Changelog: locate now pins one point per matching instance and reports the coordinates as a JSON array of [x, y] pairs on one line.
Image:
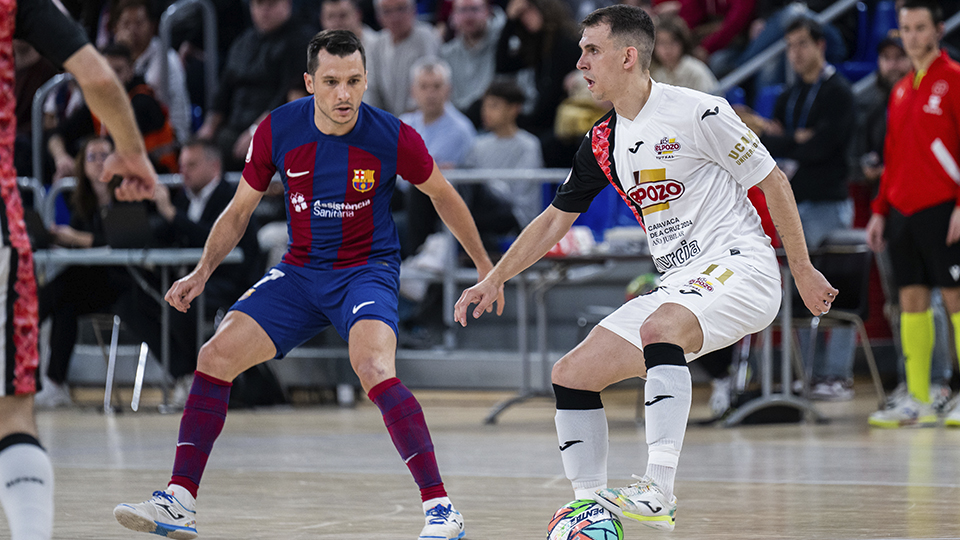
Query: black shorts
[[918, 250]]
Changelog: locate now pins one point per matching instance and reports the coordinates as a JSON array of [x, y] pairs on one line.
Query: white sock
[[183, 495], [667, 395], [427, 505], [584, 442], [26, 489]]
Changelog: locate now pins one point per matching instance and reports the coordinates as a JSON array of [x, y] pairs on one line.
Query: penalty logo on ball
[[584, 520]]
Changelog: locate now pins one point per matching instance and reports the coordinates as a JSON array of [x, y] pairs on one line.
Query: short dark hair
[[336, 42], [631, 25], [117, 50], [936, 12], [124, 5], [809, 24], [209, 147], [506, 90]]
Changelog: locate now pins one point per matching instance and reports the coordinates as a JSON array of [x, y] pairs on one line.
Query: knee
[[653, 331], [563, 372], [214, 361], [371, 370]]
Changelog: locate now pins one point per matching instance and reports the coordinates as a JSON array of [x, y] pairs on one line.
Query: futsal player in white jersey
[[683, 161]]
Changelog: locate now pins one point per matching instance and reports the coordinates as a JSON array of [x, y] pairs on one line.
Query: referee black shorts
[[918, 248]]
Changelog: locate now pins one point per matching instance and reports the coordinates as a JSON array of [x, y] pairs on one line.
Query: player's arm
[[455, 214], [533, 243], [108, 101], [815, 290], [224, 236]]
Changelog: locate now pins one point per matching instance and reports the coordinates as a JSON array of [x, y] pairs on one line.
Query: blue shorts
[[293, 304]]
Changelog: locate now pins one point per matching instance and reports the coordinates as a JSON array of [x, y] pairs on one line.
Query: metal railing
[[177, 11], [753, 65], [36, 137]]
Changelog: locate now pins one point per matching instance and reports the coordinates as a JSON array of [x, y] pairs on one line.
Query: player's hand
[[483, 294], [875, 232], [139, 177], [500, 297], [817, 293], [953, 231], [184, 290]]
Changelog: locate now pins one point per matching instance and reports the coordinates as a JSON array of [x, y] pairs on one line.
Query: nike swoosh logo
[[656, 400], [568, 444], [357, 307], [635, 147], [708, 112], [296, 175]]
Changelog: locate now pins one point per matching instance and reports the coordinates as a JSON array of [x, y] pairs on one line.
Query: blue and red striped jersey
[[337, 188]]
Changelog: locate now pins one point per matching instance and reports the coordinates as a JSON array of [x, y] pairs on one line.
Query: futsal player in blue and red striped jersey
[[339, 160]]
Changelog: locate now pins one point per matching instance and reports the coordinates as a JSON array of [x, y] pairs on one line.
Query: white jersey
[[684, 165]]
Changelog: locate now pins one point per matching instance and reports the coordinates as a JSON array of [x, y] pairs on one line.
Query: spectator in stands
[[892, 65], [78, 290], [150, 115], [673, 62], [32, 70], [472, 54], [773, 17], [447, 133], [506, 146], [263, 64], [539, 46], [812, 129], [403, 41], [135, 25], [715, 23], [346, 15], [915, 213], [187, 215]]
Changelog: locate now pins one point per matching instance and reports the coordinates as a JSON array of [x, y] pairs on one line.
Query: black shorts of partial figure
[[918, 250]]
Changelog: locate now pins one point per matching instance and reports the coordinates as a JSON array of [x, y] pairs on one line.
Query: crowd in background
[[487, 84]]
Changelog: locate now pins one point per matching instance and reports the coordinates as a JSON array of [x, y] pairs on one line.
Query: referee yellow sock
[[916, 335]]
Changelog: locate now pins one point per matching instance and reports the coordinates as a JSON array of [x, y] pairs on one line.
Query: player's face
[[920, 36], [337, 86], [601, 62]]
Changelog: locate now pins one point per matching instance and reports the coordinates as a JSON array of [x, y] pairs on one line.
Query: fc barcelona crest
[[363, 180]]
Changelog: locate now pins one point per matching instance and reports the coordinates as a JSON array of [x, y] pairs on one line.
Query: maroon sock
[[202, 421], [408, 429]]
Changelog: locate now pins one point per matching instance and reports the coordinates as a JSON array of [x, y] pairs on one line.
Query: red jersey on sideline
[[923, 141]]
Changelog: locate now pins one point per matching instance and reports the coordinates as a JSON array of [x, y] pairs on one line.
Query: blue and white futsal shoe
[[443, 522], [164, 515]]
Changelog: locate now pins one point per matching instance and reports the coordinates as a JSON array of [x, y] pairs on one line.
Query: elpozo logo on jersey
[[654, 191], [363, 180], [666, 148]]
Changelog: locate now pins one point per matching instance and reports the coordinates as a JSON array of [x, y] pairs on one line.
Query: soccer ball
[[584, 520]]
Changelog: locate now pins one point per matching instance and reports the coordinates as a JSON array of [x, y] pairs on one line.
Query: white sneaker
[[940, 398], [164, 514], [953, 417], [720, 396], [443, 521], [833, 390], [643, 501], [52, 395], [908, 412]]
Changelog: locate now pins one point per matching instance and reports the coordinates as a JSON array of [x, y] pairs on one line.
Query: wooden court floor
[[325, 472]]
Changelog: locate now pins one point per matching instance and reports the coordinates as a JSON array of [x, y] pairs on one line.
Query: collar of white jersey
[[649, 108]]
